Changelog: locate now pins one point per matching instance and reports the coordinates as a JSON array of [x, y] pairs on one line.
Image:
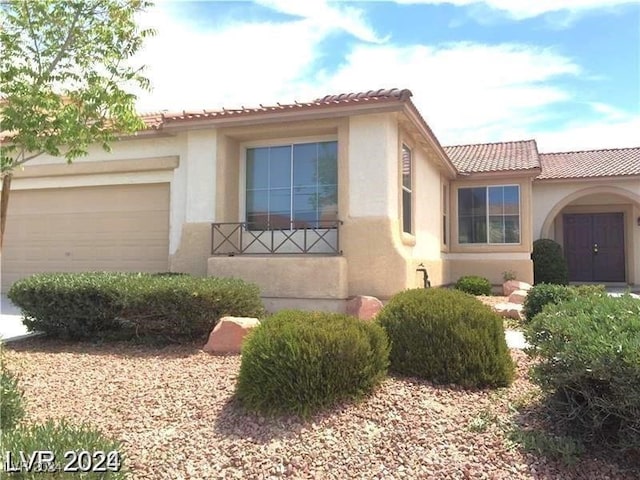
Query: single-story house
[[315, 202]]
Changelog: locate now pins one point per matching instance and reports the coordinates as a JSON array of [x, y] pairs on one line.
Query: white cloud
[[322, 13], [612, 128], [238, 64], [521, 9], [467, 92]]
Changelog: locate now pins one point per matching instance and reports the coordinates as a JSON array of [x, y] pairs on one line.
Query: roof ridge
[[591, 150], [493, 143]]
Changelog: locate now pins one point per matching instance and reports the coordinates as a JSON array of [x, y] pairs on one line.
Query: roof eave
[[303, 113], [413, 114], [588, 179], [529, 172]]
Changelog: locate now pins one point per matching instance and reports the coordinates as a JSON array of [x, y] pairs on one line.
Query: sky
[[564, 72]]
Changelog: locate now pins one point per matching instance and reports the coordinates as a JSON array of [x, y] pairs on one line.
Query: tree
[[66, 78]]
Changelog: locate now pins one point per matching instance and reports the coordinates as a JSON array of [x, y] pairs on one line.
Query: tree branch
[[25, 159], [65, 45], [34, 38]]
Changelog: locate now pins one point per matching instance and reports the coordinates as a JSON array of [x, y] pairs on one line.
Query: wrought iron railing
[[244, 238]]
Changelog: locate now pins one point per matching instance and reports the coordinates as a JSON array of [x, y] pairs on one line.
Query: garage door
[[120, 227]]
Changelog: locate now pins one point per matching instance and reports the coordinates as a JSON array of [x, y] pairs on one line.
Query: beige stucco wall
[[289, 276], [138, 160], [491, 261], [554, 198], [381, 259]]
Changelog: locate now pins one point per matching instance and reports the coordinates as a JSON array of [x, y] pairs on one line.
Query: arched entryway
[[597, 227]]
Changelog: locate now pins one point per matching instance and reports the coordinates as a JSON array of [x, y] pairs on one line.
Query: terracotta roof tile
[[494, 157], [591, 163], [157, 120]]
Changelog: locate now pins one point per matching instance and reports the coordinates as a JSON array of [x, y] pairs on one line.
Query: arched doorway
[[597, 228]]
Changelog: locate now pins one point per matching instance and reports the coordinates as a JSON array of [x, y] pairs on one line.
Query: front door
[[594, 246]]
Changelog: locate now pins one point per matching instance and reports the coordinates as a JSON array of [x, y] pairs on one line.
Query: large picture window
[[292, 186], [489, 214]]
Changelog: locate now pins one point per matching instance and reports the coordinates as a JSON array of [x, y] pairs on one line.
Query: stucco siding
[[373, 174], [553, 199]]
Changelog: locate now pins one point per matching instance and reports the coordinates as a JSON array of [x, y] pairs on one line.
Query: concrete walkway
[[11, 326], [515, 339]]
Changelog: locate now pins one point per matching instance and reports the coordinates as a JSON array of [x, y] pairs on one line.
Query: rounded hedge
[[299, 362], [549, 264], [446, 336], [474, 285], [123, 305], [546, 293], [589, 352]]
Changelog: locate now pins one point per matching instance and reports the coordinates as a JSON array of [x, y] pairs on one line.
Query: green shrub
[[60, 438], [90, 305], [474, 285], [299, 362], [446, 336], [589, 352], [11, 399], [549, 264], [185, 306], [69, 305], [544, 294]]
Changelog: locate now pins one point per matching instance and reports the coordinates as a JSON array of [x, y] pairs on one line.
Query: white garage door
[[110, 228]]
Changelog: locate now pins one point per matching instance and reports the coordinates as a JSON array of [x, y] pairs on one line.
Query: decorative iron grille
[[244, 238]]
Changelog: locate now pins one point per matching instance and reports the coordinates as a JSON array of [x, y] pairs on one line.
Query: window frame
[[276, 142], [445, 210], [408, 190], [487, 215]]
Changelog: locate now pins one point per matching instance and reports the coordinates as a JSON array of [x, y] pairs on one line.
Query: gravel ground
[[172, 409]]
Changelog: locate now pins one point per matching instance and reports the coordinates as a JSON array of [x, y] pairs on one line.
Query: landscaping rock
[[228, 334], [511, 286], [363, 307], [509, 310], [518, 296]]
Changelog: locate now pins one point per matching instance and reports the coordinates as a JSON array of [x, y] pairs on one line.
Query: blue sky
[[566, 73]]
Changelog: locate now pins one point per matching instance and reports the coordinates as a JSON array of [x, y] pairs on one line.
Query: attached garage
[[97, 228]]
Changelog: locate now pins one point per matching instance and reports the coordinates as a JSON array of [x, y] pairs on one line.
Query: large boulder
[[363, 307], [511, 286], [509, 310], [228, 334], [518, 296]]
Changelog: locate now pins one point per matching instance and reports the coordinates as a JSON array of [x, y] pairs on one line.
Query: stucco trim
[[89, 168], [286, 116], [529, 173], [586, 179], [545, 231]]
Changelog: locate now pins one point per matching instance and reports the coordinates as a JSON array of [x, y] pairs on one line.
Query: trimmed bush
[[185, 306], [300, 362], [446, 336], [589, 352], [474, 285], [61, 437], [544, 294], [69, 305], [11, 399], [89, 305], [549, 264]]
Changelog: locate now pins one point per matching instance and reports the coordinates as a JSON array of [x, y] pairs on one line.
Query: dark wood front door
[[594, 247]]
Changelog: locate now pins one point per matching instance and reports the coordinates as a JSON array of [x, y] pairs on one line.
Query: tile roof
[[158, 119], [591, 163], [494, 157]]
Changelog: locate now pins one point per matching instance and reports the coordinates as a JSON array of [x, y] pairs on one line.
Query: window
[[489, 214], [445, 212], [407, 190], [292, 186]]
